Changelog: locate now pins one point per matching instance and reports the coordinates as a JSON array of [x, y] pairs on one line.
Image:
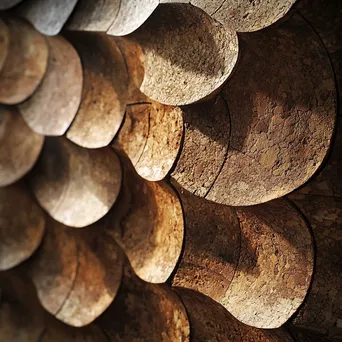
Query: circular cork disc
[[25, 64], [187, 55], [4, 43], [104, 93], [163, 142], [275, 267], [211, 248], [131, 15], [6, 4], [282, 107], [47, 16], [90, 15], [22, 225], [19, 146], [60, 177], [205, 146], [54, 105], [147, 222], [322, 308], [145, 312]]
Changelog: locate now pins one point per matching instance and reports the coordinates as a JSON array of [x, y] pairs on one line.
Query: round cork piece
[[104, 93], [145, 312], [52, 108], [6, 4], [4, 43], [205, 146], [22, 225], [187, 54], [59, 179], [282, 105], [19, 146], [131, 15], [25, 64], [211, 247], [275, 266]]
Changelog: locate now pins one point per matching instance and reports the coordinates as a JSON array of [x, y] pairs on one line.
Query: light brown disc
[[187, 55], [212, 246], [282, 107], [163, 142], [145, 312], [6, 4], [4, 42], [25, 64], [147, 222], [205, 146], [275, 267], [19, 146], [47, 16], [322, 309], [90, 15], [104, 94], [76, 186], [22, 225], [54, 105], [131, 15]]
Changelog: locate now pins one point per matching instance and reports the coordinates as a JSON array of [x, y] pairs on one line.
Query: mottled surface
[[52, 108], [282, 106], [4, 42], [188, 55], [25, 64], [104, 93]]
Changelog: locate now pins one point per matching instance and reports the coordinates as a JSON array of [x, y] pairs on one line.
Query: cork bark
[[321, 311], [52, 108], [22, 225], [282, 105], [187, 55], [25, 64], [59, 179], [4, 43], [47, 16], [104, 94], [19, 146]]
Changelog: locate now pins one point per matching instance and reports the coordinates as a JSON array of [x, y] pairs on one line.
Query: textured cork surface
[[205, 146], [188, 55], [275, 266], [52, 108], [104, 92], [19, 146], [22, 225], [282, 105], [25, 64], [4, 43], [59, 179]]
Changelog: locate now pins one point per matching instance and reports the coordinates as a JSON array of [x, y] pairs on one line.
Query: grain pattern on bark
[[187, 54], [275, 266], [19, 146], [76, 186], [205, 145], [282, 107], [104, 94], [25, 64], [211, 246], [22, 225], [4, 42], [52, 108]]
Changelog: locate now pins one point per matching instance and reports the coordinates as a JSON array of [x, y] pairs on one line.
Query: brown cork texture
[[275, 266], [59, 179], [147, 222], [52, 108], [104, 93], [145, 312], [187, 54], [25, 64], [22, 225], [205, 146], [211, 247], [4, 42], [322, 311], [47, 16], [19, 146], [282, 106]]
